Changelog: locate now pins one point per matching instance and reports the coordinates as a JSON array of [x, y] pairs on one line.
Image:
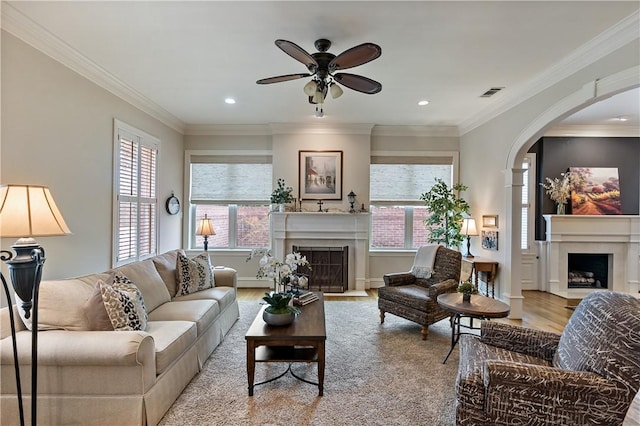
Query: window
[[136, 203], [397, 213], [527, 218], [234, 191]]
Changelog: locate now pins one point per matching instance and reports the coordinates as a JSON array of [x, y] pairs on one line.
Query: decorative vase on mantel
[[560, 208], [281, 208]]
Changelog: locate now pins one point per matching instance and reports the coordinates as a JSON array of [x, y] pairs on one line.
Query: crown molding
[[227, 130], [416, 131], [604, 130], [610, 40], [320, 129], [16, 23]]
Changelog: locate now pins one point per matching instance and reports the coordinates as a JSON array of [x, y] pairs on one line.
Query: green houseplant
[[282, 194], [467, 289], [279, 310], [446, 211]]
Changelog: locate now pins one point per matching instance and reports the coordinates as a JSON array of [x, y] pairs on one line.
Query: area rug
[[376, 374]]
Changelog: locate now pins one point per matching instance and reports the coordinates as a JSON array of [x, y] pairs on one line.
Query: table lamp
[[27, 211], [205, 228], [469, 229]]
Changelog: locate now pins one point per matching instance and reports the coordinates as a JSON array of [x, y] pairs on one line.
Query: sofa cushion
[[172, 339], [202, 312], [603, 336], [95, 311], [224, 295], [146, 277], [193, 274], [166, 265], [124, 304], [61, 303]]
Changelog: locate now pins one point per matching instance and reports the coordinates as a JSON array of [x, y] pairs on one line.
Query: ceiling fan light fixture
[[335, 90], [318, 97], [319, 111], [310, 88]]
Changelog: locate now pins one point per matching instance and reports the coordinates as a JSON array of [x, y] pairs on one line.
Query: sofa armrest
[[399, 278], [447, 286], [225, 277], [5, 321], [538, 343], [550, 395]]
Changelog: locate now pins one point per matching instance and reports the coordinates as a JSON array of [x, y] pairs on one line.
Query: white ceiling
[[182, 59]]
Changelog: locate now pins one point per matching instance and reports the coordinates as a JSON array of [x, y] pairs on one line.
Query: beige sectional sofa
[[116, 377]]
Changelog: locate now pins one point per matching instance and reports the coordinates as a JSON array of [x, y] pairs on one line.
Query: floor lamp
[[27, 211], [205, 228]]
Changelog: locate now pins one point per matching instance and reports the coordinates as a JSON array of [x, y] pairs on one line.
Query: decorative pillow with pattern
[[124, 304], [193, 274]]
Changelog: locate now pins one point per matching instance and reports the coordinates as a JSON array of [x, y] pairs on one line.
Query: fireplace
[[588, 270], [329, 268]]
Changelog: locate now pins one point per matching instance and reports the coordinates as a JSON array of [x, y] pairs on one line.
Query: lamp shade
[[205, 227], [469, 227], [29, 211]]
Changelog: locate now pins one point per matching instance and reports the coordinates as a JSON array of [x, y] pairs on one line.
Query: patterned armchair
[[588, 375], [414, 298]]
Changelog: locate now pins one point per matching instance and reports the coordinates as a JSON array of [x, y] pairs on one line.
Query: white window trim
[[147, 140], [189, 226], [408, 204]]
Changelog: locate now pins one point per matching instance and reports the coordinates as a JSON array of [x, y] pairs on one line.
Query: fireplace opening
[[329, 268], [588, 270]]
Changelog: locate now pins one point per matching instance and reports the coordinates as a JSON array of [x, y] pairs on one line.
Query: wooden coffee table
[[302, 341], [480, 307]]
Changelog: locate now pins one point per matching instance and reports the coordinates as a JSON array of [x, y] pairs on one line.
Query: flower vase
[[466, 297], [560, 208], [281, 208]]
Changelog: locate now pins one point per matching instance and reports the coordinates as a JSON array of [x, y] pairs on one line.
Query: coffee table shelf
[[286, 354]]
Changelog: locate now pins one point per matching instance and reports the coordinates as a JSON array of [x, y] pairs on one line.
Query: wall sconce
[[27, 211], [205, 229], [352, 199], [469, 229]]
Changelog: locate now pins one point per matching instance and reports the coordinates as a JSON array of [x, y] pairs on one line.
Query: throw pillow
[[95, 311], [124, 304], [193, 274]]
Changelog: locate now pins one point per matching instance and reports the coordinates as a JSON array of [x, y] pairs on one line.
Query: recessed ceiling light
[[423, 103], [230, 101]]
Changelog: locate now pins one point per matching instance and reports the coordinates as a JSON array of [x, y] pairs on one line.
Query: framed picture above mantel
[[320, 175]]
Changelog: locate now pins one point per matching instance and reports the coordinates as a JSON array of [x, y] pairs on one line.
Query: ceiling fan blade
[[297, 53], [280, 78], [355, 56], [358, 83]]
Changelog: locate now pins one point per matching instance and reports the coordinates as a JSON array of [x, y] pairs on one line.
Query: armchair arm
[[541, 344], [446, 286], [399, 278], [518, 393]]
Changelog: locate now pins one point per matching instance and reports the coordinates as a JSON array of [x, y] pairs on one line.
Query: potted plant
[[280, 311], [282, 194], [467, 289], [446, 211]]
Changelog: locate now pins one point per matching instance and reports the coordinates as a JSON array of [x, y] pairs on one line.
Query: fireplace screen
[[329, 268]]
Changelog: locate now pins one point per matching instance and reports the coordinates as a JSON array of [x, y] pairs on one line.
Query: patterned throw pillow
[[193, 274], [124, 304]]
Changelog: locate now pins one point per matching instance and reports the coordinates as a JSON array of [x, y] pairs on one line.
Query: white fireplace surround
[[316, 229], [617, 236]]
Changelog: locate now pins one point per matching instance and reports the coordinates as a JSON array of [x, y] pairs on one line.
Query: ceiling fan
[[322, 65]]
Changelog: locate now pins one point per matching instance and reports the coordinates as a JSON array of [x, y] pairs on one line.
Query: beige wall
[[57, 130]]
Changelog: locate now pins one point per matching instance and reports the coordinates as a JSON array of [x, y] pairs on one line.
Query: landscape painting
[[596, 191]]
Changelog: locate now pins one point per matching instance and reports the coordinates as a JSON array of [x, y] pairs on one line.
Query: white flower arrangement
[[559, 189], [275, 269]]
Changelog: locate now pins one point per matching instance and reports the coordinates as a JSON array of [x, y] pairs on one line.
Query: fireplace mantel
[[319, 229], [616, 235]]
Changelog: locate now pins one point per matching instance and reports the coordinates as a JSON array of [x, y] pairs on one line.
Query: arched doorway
[[589, 94]]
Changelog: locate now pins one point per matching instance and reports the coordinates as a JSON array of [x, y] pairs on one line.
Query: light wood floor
[[542, 311]]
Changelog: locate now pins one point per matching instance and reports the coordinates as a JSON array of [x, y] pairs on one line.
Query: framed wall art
[[490, 240], [490, 221], [320, 175]]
